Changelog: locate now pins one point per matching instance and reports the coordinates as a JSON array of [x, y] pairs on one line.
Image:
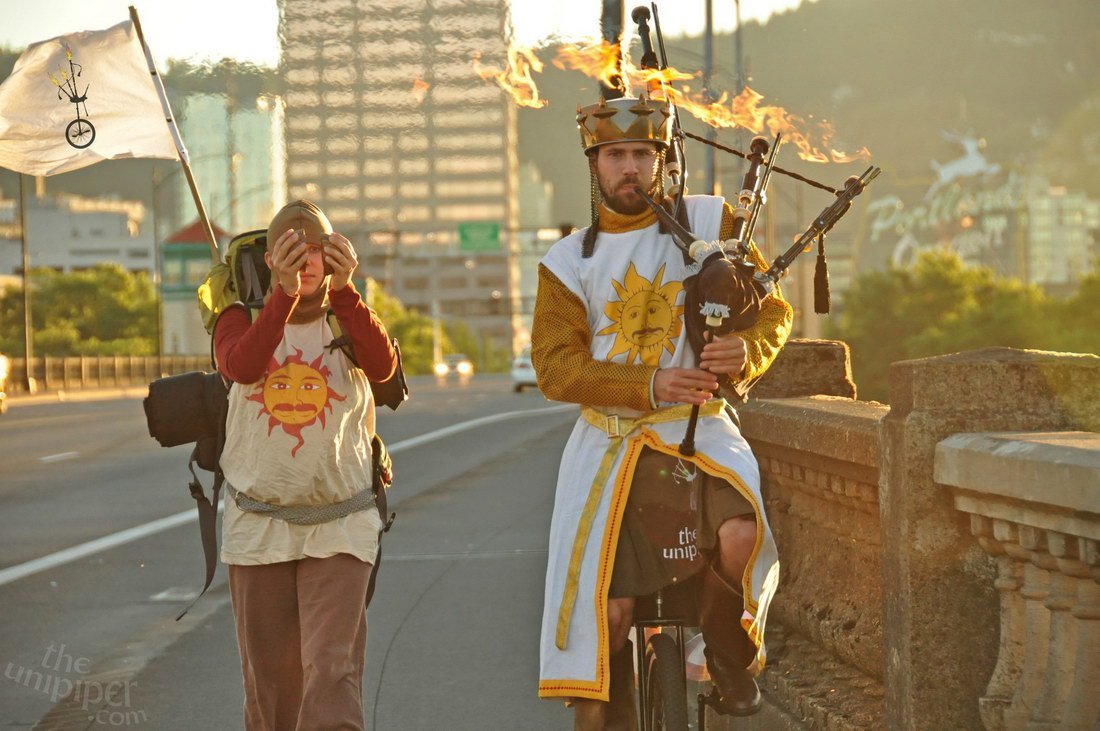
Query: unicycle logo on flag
[[80, 132]]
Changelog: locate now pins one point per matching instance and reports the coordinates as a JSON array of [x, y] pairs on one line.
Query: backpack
[[193, 407]]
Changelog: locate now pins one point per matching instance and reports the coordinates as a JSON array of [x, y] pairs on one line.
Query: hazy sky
[[246, 29]]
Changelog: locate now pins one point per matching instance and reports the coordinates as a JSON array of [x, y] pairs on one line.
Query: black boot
[[729, 651], [621, 715]]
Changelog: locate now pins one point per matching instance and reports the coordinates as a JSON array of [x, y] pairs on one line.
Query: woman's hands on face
[[341, 259], [286, 259]]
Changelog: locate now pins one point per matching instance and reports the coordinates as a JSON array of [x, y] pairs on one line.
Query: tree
[[103, 310], [941, 305], [413, 331], [1077, 316]]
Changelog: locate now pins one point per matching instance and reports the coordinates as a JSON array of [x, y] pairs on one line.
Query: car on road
[[523, 371], [5, 369], [455, 363]]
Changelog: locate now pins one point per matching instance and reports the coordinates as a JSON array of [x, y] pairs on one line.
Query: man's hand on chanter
[[684, 385], [725, 355], [286, 259]]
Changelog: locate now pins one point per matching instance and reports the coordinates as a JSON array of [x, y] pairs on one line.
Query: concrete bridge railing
[[891, 612], [1034, 507], [104, 371]]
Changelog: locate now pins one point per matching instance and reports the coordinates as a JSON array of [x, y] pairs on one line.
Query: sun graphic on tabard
[[295, 395], [645, 319]]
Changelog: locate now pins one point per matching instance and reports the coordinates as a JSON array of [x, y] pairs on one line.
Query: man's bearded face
[[622, 166]]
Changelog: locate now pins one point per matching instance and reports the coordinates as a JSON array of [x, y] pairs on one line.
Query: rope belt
[[305, 514], [617, 429]]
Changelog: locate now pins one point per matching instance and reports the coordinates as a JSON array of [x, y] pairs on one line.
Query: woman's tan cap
[[296, 215]]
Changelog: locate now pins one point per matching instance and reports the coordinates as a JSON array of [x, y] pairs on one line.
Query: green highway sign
[[479, 236]]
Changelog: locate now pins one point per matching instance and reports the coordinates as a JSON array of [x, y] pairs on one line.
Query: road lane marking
[[474, 424], [510, 553], [68, 555], [175, 594], [58, 457]]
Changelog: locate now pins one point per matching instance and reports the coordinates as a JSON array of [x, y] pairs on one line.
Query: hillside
[[890, 74]]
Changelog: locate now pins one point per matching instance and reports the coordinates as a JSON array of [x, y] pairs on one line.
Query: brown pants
[[302, 634]]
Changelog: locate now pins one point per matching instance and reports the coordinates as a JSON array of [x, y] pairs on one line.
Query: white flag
[[75, 100]]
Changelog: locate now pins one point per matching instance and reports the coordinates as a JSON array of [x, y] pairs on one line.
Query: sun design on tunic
[[645, 319], [295, 395]]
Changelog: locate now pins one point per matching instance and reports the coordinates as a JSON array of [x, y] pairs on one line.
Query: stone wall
[[888, 613]]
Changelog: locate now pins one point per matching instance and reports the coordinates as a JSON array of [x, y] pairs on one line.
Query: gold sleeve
[[764, 339], [561, 343]]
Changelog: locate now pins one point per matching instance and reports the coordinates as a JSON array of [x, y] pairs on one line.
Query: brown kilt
[[670, 525]]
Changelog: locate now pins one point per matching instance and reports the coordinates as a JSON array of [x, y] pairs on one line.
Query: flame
[[419, 89], [516, 79], [747, 110], [597, 60], [604, 62]]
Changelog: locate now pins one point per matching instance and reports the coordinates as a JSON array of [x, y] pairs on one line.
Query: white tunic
[[633, 292]]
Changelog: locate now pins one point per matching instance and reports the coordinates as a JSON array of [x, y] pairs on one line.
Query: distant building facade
[[238, 156], [1063, 237], [69, 233], [390, 130]]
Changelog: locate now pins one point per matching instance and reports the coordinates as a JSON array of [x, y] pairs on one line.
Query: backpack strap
[[208, 524], [381, 478], [340, 339], [208, 509]]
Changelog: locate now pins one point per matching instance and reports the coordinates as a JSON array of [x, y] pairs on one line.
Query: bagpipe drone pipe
[[728, 291]]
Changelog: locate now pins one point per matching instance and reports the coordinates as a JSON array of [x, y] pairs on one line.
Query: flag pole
[[185, 159], [28, 333]]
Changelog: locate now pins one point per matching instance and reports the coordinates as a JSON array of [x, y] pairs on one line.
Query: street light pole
[[708, 76], [739, 50], [611, 28], [28, 331], [158, 277]]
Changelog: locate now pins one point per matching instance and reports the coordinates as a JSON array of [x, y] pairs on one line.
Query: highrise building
[[392, 132], [237, 155]]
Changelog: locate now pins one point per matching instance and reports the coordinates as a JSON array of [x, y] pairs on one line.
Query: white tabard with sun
[[632, 288], [645, 319]]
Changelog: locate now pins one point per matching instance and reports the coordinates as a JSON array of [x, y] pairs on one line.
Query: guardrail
[[70, 374]]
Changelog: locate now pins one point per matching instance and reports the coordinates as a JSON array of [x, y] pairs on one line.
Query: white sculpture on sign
[[972, 162]]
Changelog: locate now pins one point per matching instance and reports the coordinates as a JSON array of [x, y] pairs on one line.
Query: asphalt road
[[453, 630]]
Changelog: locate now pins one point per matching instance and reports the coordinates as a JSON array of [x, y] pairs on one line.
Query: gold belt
[[617, 428]]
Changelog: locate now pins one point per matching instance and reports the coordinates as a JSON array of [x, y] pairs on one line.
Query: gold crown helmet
[[624, 120]]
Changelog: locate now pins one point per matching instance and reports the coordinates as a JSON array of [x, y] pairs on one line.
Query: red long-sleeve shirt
[[244, 348]]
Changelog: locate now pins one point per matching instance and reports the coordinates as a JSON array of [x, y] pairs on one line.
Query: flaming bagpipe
[[727, 292]]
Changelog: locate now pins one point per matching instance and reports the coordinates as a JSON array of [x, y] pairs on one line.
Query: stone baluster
[[1062, 648], [1047, 674], [1082, 706], [1035, 589], [999, 538]]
